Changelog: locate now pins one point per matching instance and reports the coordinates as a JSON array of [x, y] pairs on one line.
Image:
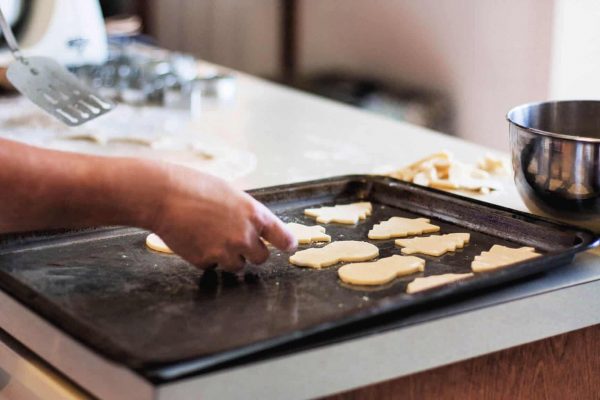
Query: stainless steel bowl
[[556, 158]]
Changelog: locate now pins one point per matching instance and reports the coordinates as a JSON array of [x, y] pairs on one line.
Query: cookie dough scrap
[[308, 234], [434, 245], [466, 177], [501, 256], [88, 137], [494, 165], [381, 271], [154, 242], [401, 227], [343, 214], [437, 162], [333, 253], [433, 281], [441, 171]]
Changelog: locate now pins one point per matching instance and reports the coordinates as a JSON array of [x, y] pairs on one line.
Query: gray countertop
[[295, 137]]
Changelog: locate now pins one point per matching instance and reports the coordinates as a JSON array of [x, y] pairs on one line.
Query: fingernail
[[293, 245]]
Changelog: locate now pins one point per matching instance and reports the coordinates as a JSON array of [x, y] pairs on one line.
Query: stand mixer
[[70, 31]]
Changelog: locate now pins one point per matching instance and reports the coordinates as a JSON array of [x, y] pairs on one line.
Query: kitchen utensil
[[556, 158], [104, 287], [50, 86]]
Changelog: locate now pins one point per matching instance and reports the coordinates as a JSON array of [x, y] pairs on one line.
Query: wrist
[[139, 190]]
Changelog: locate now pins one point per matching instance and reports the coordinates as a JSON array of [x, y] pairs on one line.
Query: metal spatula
[[49, 85]]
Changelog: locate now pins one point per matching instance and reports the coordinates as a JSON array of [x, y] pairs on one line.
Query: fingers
[[232, 262], [257, 252], [202, 262], [275, 232], [230, 248], [253, 251]]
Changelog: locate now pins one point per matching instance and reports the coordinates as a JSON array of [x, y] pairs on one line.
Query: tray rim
[[595, 238]]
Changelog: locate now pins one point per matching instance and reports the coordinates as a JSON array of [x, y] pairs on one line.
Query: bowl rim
[[574, 138]]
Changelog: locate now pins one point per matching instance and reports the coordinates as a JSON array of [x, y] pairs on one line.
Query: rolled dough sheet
[[333, 253], [308, 234], [151, 132], [434, 245], [343, 214], [381, 271], [433, 281], [154, 242], [501, 256], [401, 227]]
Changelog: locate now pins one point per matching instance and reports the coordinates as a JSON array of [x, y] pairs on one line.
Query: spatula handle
[[9, 36]]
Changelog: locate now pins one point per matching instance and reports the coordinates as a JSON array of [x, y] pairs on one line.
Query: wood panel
[[239, 34], [562, 367]]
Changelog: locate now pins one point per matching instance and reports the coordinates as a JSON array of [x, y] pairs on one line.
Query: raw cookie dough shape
[[501, 256], [89, 137], [154, 242], [434, 245], [401, 227], [348, 250], [430, 282], [381, 271], [343, 214], [308, 234]]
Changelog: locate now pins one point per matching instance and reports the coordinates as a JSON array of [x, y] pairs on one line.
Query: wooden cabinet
[[562, 367]]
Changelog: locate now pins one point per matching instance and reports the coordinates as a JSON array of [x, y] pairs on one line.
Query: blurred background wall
[[239, 34], [486, 55], [480, 56]]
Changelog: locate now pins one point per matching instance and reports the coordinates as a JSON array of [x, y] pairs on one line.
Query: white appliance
[[70, 31]]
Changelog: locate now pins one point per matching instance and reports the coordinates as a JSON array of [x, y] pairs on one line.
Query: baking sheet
[[150, 311]]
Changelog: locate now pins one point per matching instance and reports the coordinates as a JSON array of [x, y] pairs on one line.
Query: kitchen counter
[[295, 137]]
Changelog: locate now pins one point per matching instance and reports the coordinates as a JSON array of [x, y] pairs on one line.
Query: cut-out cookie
[[342, 214], [501, 256], [349, 250], [401, 227], [434, 245], [430, 282], [381, 271], [308, 234], [154, 242]]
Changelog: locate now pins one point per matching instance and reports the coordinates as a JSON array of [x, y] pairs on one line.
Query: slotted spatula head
[[53, 88]]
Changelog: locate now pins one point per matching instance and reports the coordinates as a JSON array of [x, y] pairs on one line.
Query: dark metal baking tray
[[151, 311]]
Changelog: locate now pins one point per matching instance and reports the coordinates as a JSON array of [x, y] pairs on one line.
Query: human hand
[[208, 222]]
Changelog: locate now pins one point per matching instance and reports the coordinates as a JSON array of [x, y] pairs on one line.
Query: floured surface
[[333, 253], [381, 271], [148, 132], [401, 227], [154, 242], [342, 214], [433, 281], [308, 234], [435, 245], [501, 256]]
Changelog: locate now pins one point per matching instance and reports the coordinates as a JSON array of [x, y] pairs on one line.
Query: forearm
[[43, 189]]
